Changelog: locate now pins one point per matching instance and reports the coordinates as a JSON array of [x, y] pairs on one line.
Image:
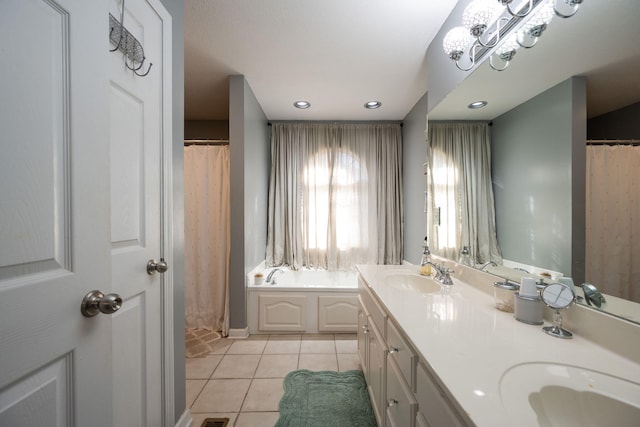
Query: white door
[[136, 139], [80, 209], [55, 364]]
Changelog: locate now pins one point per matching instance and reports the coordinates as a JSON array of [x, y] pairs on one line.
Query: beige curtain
[[335, 195], [613, 220], [461, 209], [206, 252]]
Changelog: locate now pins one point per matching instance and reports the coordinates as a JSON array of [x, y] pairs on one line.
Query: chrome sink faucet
[[270, 279], [442, 275]]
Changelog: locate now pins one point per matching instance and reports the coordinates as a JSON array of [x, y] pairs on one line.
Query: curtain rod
[[188, 142], [338, 122], [613, 141]]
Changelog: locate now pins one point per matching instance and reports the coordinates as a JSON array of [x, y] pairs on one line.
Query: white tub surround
[[309, 301], [461, 353]]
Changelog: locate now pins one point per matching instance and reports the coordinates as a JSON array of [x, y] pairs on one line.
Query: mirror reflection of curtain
[[206, 251], [461, 209], [335, 195], [613, 220]]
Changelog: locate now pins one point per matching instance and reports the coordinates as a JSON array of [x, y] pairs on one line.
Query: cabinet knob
[[392, 402], [393, 349]]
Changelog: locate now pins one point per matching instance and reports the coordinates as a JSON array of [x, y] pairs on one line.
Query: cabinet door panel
[[337, 313], [400, 401], [433, 405], [377, 313], [401, 352], [363, 332], [420, 421], [377, 372], [282, 313]]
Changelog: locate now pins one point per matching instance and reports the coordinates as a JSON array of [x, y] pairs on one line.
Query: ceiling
[[336, 54], [339, 54], [600, 42]]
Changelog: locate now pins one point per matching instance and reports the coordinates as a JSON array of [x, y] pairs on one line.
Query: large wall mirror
[[582, 68]]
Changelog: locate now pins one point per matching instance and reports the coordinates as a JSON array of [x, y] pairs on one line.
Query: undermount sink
[[413, 282], [549, 394]]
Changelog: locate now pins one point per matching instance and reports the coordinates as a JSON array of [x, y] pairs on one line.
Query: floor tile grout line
[[336, 354]]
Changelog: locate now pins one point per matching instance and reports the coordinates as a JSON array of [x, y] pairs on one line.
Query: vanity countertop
[[470, 345]]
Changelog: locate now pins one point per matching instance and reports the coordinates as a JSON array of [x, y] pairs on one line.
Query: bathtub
[[305, 279], [303, 301]]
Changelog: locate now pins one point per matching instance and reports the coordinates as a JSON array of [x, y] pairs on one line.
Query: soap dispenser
[[465, 257], [425, 267]]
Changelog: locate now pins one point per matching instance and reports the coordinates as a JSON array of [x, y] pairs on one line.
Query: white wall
[[249, 151]]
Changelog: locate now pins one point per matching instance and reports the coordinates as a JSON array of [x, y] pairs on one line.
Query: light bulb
[[541, 17], [510, 44], [455, 42], [534, 27], [479, 14]]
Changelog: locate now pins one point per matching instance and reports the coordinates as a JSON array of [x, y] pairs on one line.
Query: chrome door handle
[[159, 266], [97, 302]]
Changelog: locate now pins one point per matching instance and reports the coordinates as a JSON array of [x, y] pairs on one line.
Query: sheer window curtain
[[206, 252], [461, 209], [335, 195], [613, 211]]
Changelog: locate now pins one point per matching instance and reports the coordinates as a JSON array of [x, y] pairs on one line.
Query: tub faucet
[[486, 264], [270, 278]]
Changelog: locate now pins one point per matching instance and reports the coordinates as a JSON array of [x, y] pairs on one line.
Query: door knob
[[159, 266], [97, 302]]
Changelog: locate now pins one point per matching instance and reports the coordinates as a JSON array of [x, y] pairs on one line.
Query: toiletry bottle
[[425, 267], [465, 257]]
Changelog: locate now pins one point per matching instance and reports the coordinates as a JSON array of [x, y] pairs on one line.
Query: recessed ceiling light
[[302, 104], [477, 104], [372, 105]]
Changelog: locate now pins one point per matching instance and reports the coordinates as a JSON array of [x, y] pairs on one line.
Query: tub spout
[[270, 279], [486, 264]]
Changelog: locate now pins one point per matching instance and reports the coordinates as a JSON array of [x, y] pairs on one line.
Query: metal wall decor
[[125, 42]]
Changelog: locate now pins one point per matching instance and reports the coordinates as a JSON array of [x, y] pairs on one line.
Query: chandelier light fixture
[[500, 27]]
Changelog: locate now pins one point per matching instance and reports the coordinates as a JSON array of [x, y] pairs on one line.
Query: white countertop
[[470, 345]]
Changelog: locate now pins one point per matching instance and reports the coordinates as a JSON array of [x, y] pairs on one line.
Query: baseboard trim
[[236, 334], [185, 419]]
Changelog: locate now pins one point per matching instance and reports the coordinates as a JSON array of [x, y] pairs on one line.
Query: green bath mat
[[325, 398]]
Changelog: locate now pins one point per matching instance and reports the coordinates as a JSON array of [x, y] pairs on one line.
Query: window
[[335, 195], [339, 191]]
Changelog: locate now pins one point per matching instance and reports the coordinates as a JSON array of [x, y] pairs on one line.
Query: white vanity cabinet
[[402, 389], [372, 351]]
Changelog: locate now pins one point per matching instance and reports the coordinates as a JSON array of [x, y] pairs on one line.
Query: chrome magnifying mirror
[[558, 296]]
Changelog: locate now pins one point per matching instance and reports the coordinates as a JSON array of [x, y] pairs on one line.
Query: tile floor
[[242, 379]]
